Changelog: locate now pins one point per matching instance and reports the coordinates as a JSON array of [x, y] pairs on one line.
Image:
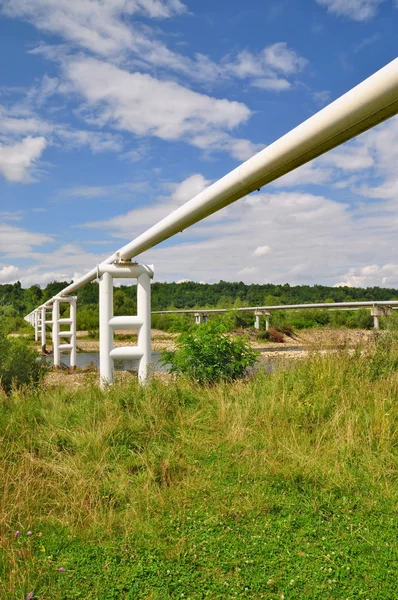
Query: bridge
[[363, 107]]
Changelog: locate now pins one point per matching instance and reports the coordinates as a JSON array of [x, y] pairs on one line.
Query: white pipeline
[[366, 105]]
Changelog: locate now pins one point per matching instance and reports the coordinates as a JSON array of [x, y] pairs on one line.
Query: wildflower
[[30, 596], [17, 533], [61, 569], [29, 533]]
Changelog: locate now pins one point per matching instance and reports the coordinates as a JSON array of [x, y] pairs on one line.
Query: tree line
[[16, 301]]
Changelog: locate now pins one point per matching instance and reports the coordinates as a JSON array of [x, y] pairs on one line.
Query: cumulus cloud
[[146, 106], [133, 222], [371, 275], [357, 10], [262, 251], [17, 160], [9, 274], [266, 67], [111, 29], [98, 26], [19, 242], [18, 122]]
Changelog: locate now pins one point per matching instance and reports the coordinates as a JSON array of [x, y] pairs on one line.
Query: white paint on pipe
[[144, 333], [73, 337], [257, 322], [106, 332], [43, 328], [327, 305], [55, 334], [36, 322], [127, 353], [65, 347], [126, 322], [125, 270]]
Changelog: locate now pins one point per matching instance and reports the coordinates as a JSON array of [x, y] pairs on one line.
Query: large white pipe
[[325, 305], [366, 105]]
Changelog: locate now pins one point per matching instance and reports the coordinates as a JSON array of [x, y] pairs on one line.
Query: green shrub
[[173, 323], [19, 364], [207, 354]]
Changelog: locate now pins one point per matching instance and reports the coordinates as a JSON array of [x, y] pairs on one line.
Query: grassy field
[[281, 487]]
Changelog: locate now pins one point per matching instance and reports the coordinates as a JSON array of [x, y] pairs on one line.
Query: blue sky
[[115, 112]]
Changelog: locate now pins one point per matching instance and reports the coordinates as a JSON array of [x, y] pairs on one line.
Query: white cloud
[[374, 156], [238, 148], [262, 251], [265, 67], [353, 157], [97, 141], [107, 30], [18, 242], [272, 84], [312, 173], [124, 190], [147, 106], [310, 238], [101, 27], [18, 122], [358, 10], [283, 59], [189, 188], [17, 160], [371, 275], [322, 97], [9, 274], [133, 222]]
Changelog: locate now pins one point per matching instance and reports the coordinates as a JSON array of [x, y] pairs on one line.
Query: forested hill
[[195, 295]]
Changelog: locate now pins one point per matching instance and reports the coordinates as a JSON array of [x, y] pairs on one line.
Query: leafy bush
[[172, 323], [19, 364], [207, 354], [11, 321]]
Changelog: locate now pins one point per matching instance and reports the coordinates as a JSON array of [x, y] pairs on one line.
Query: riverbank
[[272, 355]]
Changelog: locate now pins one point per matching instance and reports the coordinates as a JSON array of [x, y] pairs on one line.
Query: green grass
[[284, 486]]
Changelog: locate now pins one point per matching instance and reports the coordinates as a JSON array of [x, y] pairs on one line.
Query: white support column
[[105, 330], [378, 311], [144, 333], [73, 340], [43, 328], [36, 322], [257, 315], [141, 322], [198, 318], [55, 334], [267, 316]]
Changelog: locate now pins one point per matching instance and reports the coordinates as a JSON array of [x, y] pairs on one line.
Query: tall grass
[[136, 463]]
